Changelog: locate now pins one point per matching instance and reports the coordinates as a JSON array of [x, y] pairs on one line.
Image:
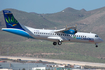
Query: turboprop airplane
[[68, 34]]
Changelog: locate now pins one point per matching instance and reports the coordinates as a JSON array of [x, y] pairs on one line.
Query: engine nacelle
[[71, 31]]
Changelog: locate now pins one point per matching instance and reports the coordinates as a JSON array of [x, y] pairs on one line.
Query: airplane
[[57, 36]]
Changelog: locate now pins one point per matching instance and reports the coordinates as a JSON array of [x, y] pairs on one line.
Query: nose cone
[[98, 40], [101, 40]]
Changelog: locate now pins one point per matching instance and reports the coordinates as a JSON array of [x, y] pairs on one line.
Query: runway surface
[[58, 61]]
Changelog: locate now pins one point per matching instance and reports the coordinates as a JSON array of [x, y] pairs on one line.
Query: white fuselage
[[51, 35]]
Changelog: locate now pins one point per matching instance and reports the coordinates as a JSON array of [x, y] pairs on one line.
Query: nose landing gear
[[96, 45]]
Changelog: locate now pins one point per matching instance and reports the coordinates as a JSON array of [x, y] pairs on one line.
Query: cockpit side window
[[96, 35]]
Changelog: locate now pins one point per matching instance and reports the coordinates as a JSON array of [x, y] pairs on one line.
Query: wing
[[69, 30], [55, 39]]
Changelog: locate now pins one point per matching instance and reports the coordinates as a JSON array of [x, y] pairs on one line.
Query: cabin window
[[77, 35]]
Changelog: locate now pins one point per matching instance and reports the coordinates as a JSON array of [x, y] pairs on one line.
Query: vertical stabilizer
[[10, 21]]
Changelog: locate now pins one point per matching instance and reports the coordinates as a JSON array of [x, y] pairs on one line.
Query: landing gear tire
[[54, 43], [96, 45], [59, 43]]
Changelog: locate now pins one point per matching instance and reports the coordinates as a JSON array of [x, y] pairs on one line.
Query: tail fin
[[10, 21]]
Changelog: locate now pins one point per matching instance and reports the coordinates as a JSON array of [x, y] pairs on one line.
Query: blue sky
[[50, 6]]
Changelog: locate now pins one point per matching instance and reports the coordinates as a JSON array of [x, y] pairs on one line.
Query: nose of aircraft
[[101, 40], [98, 40]]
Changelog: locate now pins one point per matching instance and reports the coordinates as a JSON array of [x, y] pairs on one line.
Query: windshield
[[96, 35]]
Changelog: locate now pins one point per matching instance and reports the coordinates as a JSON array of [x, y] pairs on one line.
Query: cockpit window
[[96, 35]]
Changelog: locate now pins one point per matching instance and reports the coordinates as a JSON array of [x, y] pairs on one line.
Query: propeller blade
[[66, 26]]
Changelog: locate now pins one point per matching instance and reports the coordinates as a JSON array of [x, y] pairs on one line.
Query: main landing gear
[[59, 43], [54, 43]]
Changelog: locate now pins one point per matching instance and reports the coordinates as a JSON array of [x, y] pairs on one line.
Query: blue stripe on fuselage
[[85, 38], [18, 32]]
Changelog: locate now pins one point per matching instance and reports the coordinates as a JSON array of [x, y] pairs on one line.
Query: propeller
[[76, 25], [66, 26], [76, 28], [55, 28]]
